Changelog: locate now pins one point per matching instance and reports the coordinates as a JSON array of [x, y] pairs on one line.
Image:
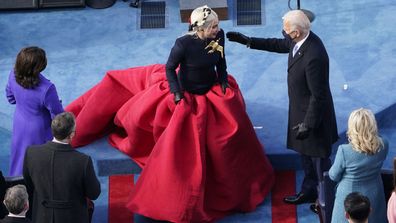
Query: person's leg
[[308, 192], [321, 165], [310, 182]]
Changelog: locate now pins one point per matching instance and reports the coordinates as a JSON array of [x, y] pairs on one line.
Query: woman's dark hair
[[28, 65]]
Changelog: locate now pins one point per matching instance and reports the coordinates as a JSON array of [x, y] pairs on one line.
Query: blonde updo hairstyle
[[201, 18], [363, 132]]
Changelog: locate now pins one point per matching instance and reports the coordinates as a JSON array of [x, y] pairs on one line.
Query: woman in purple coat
[[36, 102]]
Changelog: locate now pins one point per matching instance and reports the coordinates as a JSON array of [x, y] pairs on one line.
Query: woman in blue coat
[[357, 166], [36, 102]]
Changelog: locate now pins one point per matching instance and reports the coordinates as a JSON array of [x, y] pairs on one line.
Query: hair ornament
[[199, 16]]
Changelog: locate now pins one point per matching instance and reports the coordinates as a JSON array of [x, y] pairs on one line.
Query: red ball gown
[[200, 159]]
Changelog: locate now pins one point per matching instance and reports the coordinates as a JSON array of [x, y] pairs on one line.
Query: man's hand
[[302, 131], [224, 86], [239, 38], [177, 97]]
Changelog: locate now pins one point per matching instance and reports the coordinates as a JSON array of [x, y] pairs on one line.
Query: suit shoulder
[[35, 148], [79, 154], [317, 42]]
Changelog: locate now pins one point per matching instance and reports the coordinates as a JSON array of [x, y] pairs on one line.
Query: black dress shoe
[[314, 208], [300, 198]]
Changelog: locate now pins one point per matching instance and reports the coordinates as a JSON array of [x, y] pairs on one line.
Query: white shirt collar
[[57, 141], [299, 43], [16, 216]]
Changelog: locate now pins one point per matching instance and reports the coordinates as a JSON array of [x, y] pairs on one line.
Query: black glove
[[239, 37], [178, 97], [224, 86], [302, 131]]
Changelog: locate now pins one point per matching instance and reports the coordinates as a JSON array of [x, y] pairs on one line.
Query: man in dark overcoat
[[312, 127], [61, 178]]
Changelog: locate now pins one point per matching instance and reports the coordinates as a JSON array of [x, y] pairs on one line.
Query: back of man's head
[[16, 199], [63, 125], [357, 207]]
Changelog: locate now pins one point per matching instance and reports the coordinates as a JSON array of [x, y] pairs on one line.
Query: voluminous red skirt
[[201, 158]]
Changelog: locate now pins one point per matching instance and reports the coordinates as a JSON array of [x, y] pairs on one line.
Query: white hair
[[297, 21]]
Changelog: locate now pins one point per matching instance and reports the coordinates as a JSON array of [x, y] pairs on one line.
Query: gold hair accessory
[[215, 47]]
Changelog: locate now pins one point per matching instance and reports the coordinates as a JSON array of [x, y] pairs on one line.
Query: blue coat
[[359, 172]]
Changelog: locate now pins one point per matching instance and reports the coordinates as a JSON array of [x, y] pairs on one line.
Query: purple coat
[[35, 108]]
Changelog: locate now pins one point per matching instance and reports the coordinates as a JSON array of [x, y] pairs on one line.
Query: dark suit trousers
[[313, 173]]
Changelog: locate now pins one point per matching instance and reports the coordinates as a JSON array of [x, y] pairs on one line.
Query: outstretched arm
[[239, 38], [271, 44], [268, 44]]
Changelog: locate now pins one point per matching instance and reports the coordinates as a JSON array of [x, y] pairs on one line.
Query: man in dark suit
[[61, 178], [312, 127], [17, 202]]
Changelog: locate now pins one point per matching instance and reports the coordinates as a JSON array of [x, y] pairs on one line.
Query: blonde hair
[[202, 18], [363, 132]]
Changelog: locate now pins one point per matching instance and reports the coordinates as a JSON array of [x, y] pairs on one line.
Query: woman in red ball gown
[[186, 125]]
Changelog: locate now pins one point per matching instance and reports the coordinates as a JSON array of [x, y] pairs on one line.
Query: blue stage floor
[[82, 44]]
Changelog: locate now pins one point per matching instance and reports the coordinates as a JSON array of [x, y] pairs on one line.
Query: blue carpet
[[83, 43]]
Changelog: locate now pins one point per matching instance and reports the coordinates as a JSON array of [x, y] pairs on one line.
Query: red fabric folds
[[201, 158]]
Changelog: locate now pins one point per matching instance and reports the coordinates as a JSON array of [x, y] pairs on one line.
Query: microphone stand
[[134, 4], [308, 13]]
